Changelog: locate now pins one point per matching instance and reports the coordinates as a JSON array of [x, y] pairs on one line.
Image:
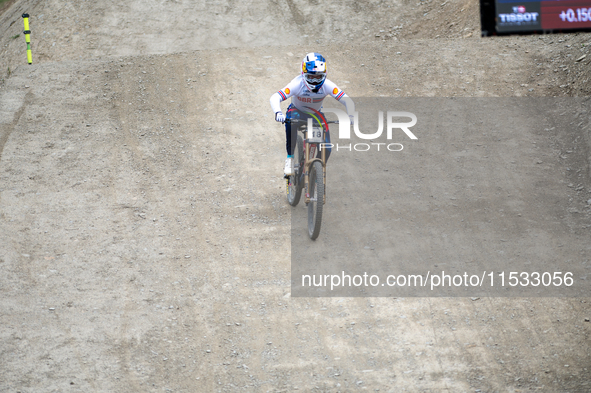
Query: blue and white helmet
[[314, 71]]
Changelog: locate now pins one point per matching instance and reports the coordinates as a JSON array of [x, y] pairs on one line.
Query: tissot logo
[[519, 16]]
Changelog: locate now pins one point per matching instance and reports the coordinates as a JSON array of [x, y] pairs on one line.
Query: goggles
[[314, 79]]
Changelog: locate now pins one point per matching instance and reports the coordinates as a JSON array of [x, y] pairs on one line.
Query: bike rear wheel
[[316, 190], [294, 182]]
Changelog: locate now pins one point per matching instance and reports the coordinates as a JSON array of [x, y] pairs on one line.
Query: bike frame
[[310, 149], [308, 146]]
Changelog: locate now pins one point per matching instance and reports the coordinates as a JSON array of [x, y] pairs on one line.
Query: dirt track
[[144, 233]]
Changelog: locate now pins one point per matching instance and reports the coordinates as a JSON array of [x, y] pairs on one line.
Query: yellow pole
[[27, 33]]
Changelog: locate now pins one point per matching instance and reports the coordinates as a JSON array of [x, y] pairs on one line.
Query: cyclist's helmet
[[314, 71]]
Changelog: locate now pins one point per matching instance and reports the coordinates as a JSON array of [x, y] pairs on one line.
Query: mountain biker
[[308, 91]]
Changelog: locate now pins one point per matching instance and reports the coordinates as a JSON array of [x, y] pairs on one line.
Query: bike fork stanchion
[[306, 168], [324, 175]]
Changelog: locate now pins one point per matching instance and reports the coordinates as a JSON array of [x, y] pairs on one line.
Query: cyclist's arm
[[275, 102], [340, 96], [282, 95], [349, 104]]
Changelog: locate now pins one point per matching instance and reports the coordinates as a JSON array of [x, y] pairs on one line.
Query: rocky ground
[[144, 234]]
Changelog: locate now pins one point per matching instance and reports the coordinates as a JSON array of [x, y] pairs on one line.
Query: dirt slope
[[144, 234]]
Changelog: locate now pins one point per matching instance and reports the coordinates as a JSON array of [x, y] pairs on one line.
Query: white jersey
[[305, 100]]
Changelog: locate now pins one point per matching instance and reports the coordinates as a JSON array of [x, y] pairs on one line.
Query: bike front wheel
[[316, 190]]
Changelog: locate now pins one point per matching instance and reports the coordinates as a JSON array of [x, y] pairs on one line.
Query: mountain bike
[[309, 172]]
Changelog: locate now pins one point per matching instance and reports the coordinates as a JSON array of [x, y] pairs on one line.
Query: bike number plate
[[315, 136]]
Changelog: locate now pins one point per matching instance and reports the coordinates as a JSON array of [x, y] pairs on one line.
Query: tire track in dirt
[[7, 129]]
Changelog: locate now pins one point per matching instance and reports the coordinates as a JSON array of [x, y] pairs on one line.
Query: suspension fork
[[306, 170], [308, 164], [323, 155]]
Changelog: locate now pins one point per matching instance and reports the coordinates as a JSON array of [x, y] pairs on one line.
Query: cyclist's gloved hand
[[279, 117], [352, 118]]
